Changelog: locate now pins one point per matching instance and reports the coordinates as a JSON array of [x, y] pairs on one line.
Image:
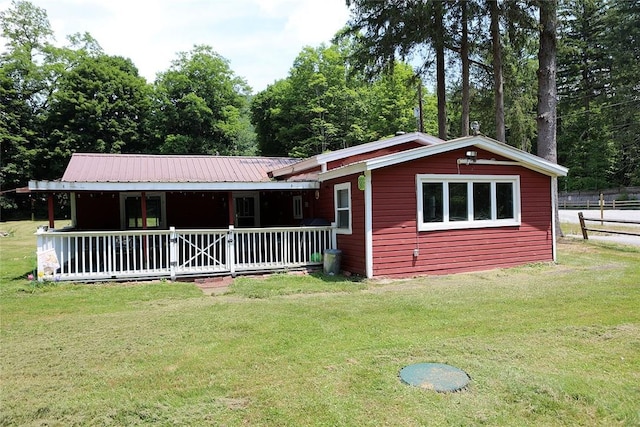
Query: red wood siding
[[197, 210], [373, 154], [276, 208], [352, 245], [98, 211], [449, 251], [101, 211]]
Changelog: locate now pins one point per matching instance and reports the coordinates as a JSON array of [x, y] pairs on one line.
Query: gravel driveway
[[571, 216]]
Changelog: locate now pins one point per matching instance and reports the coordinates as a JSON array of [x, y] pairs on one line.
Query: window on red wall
[[131, 210], [342, 203], [467, 201]]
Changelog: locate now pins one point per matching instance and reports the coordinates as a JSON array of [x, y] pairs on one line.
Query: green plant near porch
[[544, 345]]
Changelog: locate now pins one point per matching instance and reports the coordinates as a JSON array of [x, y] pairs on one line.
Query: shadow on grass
[[25, 276]]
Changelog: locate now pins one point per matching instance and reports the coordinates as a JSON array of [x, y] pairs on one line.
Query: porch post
[[40, 245], [143, 203], [51, 211], [74, 217], [173, 252], [231, 210], [231, 251]]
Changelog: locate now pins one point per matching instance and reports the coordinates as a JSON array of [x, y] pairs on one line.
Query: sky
[[259, 38]]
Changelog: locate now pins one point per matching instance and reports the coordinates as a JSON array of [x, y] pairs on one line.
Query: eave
[[520, 157], [62, 186]]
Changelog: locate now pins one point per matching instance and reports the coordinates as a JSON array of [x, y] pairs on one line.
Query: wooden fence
[[599, 204], [586, 229]]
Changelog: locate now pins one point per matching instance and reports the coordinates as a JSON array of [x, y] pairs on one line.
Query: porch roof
[[143, 172]]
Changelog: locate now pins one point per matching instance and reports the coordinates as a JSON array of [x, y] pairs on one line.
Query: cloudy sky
[[260, 38]]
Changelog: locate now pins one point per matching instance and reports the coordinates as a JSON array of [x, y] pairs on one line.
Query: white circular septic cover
[[435, 376]]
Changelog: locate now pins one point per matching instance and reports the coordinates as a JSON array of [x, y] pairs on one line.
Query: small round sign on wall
[[435, 376]]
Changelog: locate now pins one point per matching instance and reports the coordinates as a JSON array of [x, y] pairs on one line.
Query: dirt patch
[[214, 285]]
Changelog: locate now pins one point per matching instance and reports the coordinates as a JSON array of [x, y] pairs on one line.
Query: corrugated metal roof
[[89, 167]]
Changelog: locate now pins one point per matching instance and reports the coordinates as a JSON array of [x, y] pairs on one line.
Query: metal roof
[[324, 158], [139, 168]]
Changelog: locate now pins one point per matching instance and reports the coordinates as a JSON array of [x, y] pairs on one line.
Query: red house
[[404, 206]]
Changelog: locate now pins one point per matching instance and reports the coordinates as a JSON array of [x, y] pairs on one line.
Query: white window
[[297, 207], [467, 201], [342, 203], [131, 210]]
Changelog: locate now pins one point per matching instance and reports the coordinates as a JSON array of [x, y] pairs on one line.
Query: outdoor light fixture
[[472, 155], [475, 127]]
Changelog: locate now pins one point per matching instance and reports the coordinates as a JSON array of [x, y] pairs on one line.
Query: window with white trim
[[131, 210], [467, 201], [342, 203]]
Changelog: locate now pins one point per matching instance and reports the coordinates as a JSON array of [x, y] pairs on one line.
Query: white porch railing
[[107, 255]]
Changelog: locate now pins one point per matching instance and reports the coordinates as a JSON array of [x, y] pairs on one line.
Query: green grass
[[544, 345]]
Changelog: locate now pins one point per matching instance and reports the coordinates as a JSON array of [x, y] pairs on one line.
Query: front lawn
[[544, 345]]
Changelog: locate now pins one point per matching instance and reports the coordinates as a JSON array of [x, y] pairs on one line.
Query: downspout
[[554, 184], [368, 224]]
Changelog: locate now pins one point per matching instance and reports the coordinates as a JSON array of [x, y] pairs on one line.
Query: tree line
[[483, 58]]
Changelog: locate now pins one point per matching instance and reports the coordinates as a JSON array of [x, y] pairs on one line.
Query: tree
[[323, 106], [496, 50], [547, 91], [270, 116], [201, 105], [388, 30], [101, 105], [585, 141], [622, 109], [464, 58], [23, 92]]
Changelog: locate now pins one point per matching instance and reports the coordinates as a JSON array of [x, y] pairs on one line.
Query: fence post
[[601, 209], [231, 251], [585, 236], [40, 247], [173, 252]]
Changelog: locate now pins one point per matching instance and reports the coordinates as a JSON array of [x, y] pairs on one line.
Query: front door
[[247, 209]]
